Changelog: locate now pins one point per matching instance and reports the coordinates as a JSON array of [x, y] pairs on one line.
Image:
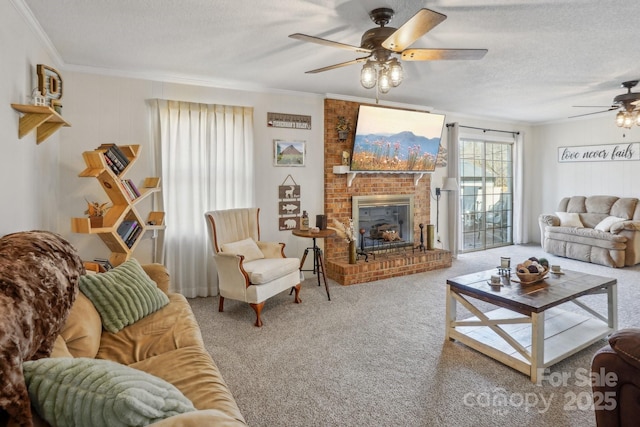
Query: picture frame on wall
[[288, 153]]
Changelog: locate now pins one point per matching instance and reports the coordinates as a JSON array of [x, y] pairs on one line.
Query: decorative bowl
[[532, 277]]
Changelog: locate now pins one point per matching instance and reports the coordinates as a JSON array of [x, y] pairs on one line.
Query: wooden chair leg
[[297, 299], [258, 309], [221, 305]]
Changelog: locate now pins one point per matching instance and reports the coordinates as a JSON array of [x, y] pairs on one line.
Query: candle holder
[[361, 251], [504, 271], [421, 247]]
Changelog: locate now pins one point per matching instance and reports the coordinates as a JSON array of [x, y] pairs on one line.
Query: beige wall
[[28, 172], [549, 181]]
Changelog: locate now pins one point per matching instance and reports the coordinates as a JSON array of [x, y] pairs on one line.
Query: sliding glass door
[[486, 194]]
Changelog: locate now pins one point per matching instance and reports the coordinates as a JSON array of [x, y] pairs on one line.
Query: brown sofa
[[616, 244], [616, 380], [167, 344]]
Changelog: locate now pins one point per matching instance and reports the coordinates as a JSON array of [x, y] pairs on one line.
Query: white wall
[[28, 172], [550, 181], [105, 109]]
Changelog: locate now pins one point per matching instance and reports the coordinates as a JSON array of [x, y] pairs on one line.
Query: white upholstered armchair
[[249, 270]]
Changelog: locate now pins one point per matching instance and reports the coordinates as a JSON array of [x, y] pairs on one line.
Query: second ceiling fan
[[381, 43], [626, 104]]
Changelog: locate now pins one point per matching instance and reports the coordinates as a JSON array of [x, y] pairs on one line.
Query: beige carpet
[[375, 355]]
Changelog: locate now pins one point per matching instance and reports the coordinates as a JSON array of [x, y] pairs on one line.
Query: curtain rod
[[486, 130]]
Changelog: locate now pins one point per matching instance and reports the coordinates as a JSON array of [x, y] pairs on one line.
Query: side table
[[318, 261]]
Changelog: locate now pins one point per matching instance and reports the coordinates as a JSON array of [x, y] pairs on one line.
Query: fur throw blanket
[[39, 273]]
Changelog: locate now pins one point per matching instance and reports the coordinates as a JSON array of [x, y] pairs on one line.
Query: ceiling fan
[[626, 103], [381, 43]]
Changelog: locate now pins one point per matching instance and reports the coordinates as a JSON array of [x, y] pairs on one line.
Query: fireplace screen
[[387, 221]]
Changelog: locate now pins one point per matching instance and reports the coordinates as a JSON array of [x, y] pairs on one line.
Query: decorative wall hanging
[[289, 204], [599, 153], [49, 84], [292, 121], [288, 153], [441, 161]]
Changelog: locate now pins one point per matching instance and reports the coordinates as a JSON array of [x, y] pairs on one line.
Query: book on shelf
[[111, 165], [128, 190], [134, 188], [114, 159], [121, 159], [133, 237], [126, 228]]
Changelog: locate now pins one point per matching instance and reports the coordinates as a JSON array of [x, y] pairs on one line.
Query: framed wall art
[[288, 153]]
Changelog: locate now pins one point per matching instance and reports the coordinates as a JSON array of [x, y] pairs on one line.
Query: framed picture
[[288, 153]]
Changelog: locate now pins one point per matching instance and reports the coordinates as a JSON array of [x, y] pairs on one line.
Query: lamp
[[450, 184], [383, 72], [368, 75]]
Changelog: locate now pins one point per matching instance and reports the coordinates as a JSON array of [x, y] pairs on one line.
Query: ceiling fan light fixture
[[368, 75], [395, 72], [620, 119], [384, 81]]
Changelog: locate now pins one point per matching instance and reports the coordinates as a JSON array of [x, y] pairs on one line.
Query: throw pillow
[[123, 295], [569, 219], [247, 248], [95, 392], [605, 224]]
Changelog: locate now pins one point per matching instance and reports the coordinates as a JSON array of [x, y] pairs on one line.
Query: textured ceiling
[[544, 56]]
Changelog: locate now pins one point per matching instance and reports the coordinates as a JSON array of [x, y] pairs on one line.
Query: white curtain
[[204, 154], [454, 197], [520, 233]]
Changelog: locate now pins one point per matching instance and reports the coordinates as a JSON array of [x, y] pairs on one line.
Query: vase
[[352, 252], [430, 236], [96, 221]]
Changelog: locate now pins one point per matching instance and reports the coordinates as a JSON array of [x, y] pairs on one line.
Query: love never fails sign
[[600, 153]]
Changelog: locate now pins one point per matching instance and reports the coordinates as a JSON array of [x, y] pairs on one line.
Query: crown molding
[[37, 29]]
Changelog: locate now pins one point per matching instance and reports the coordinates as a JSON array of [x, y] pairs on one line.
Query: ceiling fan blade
[[597, 112], [330, 43], [342, 64], [612, 107], [442, 54], [419, 24]]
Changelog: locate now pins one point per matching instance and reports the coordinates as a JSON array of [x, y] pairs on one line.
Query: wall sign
[[288, 204], [600, 153], [292, 121]]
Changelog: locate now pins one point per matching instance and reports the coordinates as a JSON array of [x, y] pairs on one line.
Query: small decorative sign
[[292, 121], [600, 153], [49, 83], [288, 204]]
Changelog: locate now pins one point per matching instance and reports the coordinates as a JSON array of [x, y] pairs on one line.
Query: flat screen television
[[389, 139]]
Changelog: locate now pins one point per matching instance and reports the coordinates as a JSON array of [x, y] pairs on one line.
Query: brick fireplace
[[337, 205]]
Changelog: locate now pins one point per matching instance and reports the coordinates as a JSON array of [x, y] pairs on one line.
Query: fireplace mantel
[[351, 175]]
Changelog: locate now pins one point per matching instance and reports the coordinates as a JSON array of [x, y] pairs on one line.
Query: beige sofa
[[599, 229], [167, 344]]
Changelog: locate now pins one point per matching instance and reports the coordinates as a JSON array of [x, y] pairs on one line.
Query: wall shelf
[[351, 175], [42, 118]]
